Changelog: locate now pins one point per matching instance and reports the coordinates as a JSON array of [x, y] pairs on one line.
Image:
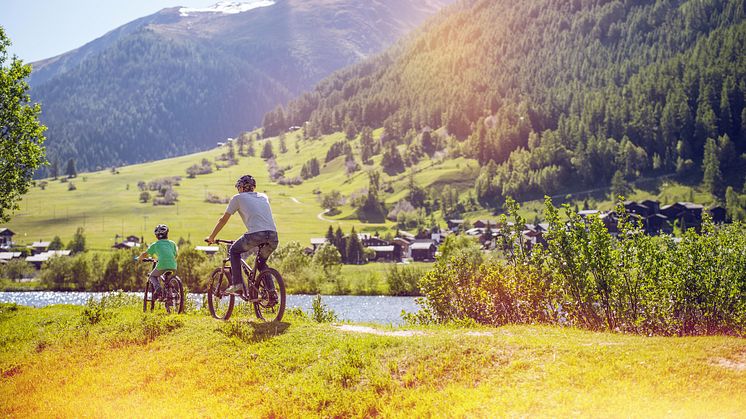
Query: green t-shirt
[[166, 251]]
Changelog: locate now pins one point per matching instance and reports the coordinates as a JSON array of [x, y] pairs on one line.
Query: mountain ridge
[[179, 84]]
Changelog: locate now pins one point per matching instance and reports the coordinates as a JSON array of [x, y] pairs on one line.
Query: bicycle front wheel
[[271, 304], [221, 305]]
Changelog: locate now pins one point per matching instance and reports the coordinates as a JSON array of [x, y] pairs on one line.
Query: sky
[[41, 29]]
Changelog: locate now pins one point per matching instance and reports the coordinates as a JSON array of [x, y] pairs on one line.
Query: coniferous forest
[[546, 94]]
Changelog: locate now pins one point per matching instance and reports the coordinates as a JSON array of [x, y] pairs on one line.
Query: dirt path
[[404, 333], [294, 199], [320, 216]]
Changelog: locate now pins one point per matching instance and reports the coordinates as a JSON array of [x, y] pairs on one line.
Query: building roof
[[207, 249], [9, 255], [6, 232], [319, 240], [40, 244], [127, 244], [44, 256], [382, 248], [422, 245]]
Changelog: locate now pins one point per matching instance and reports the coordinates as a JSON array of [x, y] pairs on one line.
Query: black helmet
[[246, 182], [161, 231]]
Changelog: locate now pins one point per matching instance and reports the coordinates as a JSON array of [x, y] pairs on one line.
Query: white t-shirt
[[254, 209]]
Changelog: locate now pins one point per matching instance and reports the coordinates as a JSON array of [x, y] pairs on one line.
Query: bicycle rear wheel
[[175, 301], [271, 304], [221, 305]]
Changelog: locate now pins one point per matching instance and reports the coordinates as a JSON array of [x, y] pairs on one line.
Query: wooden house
[[6, 238], [423, 250]]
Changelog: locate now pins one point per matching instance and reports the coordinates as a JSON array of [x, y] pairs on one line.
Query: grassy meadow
[[106, 204], [108, 360]]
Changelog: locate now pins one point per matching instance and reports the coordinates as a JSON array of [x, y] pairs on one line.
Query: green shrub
[[404, 281], [589, 278], [321, 312]]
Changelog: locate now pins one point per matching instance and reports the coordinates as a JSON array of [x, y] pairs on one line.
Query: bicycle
[[257, 290], [172, 292]]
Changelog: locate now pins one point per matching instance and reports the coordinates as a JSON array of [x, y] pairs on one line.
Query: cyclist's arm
[[219, 226], [142, 256]]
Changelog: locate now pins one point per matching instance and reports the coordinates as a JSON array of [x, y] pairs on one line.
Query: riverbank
[[107, 360]]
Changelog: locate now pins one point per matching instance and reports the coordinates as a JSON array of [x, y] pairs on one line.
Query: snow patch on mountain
[[227, 7]]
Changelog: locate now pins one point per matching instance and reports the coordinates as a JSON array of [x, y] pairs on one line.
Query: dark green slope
[[559, 94]]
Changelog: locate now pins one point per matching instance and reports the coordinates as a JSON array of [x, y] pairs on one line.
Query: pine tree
[[54, 170], [267, 152], [341, 244], [619, 186], [330, 236], [355, 250], [70, 171], [712, 178]]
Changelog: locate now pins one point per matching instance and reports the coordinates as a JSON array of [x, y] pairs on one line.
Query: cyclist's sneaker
[[234, 289], [273, 300]]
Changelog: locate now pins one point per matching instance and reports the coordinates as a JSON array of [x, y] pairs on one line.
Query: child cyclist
[[165, 250]]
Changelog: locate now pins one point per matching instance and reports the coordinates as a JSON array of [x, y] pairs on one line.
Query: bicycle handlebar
[[223, 241]]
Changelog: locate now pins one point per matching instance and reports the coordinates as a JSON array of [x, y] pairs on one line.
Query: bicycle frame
[[250, 274]]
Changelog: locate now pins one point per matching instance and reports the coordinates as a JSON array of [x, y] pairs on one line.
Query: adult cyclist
[[257, 216]]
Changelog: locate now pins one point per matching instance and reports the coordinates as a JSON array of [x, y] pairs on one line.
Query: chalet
[[5, 257], [407, 236], [369, 241], [39, 247], [656, 224], [685, 214], [401, 248], [130, 242], [423, 250], [611, 222], [383, 253], [718, 214], [6, 238], [38, 259], [642, 210], [455, 225], [587, 213], [652, 205], [485, 223], [317, 242]]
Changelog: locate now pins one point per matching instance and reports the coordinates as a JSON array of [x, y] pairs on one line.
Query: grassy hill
[[66, 361], [106, 204]]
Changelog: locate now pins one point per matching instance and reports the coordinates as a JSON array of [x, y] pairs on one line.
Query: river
[[353, 308]]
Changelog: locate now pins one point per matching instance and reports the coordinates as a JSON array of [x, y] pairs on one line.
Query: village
[[653, 218]]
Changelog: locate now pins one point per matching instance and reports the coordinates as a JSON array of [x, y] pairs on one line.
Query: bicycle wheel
[[175, 301], [221, 305], [266, 309], [148, 302]]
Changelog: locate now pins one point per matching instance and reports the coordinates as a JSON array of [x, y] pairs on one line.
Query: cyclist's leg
[[153, 278], [237, 248], [270, 240]]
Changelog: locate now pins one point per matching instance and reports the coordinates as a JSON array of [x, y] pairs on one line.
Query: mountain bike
[[266, 291], [172, 292]]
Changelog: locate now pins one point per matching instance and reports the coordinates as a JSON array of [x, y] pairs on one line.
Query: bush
[[588, 278], [16, 269], [321, 312], [404, 281]]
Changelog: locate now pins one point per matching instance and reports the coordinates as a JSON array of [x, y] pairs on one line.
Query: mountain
[[182, 79], [556, 96]]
